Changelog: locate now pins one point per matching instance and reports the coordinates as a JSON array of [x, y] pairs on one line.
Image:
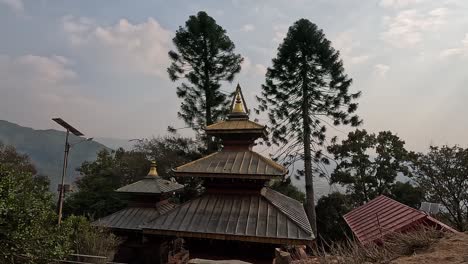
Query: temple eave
[[227, 175], [231, 237]]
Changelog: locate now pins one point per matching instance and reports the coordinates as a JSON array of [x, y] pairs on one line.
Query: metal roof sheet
[[266, 217], [151, 185], [235, 125], [379, 217], [226, 162], [131, 218]]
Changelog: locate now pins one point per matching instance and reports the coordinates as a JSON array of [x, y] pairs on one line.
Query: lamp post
[[75, 132]]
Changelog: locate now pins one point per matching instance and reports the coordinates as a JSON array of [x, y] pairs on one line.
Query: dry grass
[[394, 246]]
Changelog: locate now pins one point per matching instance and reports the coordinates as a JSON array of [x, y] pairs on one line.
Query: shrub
[[90, 240]]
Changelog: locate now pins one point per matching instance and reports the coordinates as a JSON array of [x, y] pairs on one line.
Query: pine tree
[[306, 90], [205, 57]]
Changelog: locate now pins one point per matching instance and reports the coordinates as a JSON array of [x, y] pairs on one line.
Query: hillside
[[451, 249], [45, 148]]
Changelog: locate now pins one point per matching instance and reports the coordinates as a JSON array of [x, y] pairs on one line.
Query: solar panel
[[430, 208], [67, 126]]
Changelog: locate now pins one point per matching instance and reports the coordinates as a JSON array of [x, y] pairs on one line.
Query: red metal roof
[[381, 216]]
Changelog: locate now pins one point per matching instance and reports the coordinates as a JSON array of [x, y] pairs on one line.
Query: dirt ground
[[449, 250]]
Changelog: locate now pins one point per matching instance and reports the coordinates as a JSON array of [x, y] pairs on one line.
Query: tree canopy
[[368, 164], [305, 92], [205, 56], [28, 230], [443, 174]]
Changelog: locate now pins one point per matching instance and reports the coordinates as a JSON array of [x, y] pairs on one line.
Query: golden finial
[[238, 105], [153, 171], [238, 108]]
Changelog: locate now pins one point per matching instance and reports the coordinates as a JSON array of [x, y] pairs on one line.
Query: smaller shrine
[[147, 199]]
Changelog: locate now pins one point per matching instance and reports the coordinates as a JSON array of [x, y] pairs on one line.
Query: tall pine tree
[[204, 57], [305, 91]]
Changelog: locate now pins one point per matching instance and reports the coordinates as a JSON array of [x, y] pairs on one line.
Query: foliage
[[285, 187], [407, 193], [306, 90], [204, 57], [90, 240], [12, 159], [443, 174], [170, 152], [28, 230], [331, 226], [99, 179], [367, 177]]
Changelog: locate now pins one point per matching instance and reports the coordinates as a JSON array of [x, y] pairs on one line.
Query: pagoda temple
[[148, 199], [237, 211]]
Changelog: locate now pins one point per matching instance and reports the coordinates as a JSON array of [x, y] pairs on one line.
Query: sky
[[101, 65]]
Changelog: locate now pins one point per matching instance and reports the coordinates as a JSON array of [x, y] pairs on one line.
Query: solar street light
[[61, 187]]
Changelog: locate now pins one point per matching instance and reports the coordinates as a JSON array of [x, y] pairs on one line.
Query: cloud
[[15, 5], [398, 3], [140, 47], [279, 32], [40, 70], [248, 68], [407, 28], [462, 50], [248, 28], [35, 88], [381, 70], [347, 45]]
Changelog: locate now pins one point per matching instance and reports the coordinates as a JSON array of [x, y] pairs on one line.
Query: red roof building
[[382, 216]]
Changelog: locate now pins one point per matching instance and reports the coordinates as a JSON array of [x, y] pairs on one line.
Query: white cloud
[[124, 46], [15, 5], [347, 45], [41, 70], [407, 28], [248, 28], [248, 68], [398, 3], [462, 50], [260, 69], [279, 32], [381, 70], [35, 88]]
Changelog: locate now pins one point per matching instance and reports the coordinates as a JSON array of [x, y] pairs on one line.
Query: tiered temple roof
[[236, 205]]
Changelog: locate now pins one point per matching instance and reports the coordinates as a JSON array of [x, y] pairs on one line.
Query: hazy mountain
[[46, 148], [115, 143]]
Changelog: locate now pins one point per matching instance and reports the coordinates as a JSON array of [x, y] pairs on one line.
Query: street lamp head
[[89, 139]]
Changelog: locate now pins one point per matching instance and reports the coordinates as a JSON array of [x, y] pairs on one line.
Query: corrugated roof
[[266, 217], [235, 125], [247, 163], [132, 217], [379, 217], [151, 185]]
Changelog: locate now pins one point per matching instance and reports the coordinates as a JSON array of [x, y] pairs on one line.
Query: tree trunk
[[208, 98], [309, 178]]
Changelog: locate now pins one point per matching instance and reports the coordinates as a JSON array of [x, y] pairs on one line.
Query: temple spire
[[238, 106], [153, 170]]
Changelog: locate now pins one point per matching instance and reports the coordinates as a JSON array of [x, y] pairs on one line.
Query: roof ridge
[[135, 183], [193, 161], [176, 206], [380, 197], [299, 224], [274, 163]]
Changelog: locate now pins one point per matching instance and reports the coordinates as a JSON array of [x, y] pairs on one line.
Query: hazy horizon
[[102, 67]]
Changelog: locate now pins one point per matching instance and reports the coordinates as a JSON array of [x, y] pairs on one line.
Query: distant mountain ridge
[[46, 147]]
